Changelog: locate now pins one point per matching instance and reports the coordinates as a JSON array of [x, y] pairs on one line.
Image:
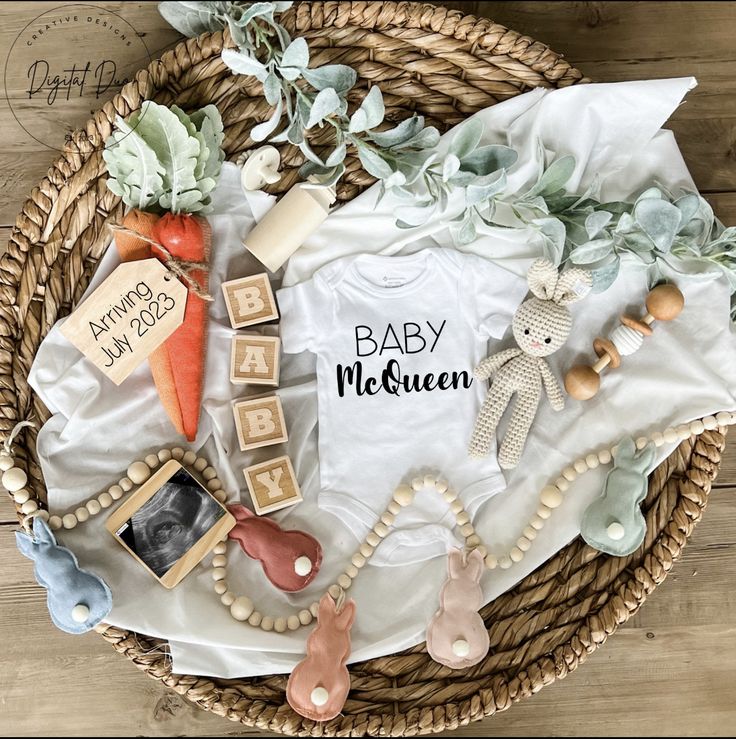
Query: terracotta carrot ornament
[[164, 164]]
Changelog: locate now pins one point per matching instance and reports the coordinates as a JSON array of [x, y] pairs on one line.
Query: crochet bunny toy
[[541, 326]]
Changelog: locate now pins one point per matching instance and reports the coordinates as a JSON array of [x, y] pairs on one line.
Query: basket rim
[[42, 212]]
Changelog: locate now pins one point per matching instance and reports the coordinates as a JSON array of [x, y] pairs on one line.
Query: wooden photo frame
[[172, 533]]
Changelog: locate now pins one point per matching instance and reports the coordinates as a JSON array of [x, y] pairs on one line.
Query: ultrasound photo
[[170, 523]]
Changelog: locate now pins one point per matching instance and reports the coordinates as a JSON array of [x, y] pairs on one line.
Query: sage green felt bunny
[[541, 326]]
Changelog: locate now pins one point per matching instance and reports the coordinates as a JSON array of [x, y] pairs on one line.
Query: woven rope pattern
[[444, 65]]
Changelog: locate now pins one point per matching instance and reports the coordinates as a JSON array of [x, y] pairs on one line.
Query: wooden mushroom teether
[[664, 303]]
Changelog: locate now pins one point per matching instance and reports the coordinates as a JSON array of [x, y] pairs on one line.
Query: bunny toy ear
[[574, 284], [344, 619], [25, 545], [542, 278]]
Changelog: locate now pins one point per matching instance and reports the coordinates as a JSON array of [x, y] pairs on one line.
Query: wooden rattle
[[664, 303]]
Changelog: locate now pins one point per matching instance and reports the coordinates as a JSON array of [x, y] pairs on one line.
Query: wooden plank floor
[[672, 669]]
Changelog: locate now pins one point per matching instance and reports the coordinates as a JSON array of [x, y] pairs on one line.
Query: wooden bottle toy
[[456, 635], [664, 303], [290, 559], [318, 686]]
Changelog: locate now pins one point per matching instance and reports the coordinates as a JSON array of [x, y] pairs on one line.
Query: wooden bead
[[670, 435], [544, 512], [387, 518], [164, 455], [314, 608], [462, 518], [658, 438], [177, 453], [393, 508], [115, 491], [562, 484], [227, 598], [334, 590], [710, 422], [69, 521], [82, 514], [305, 617], [665, 302], [697, 427], [457, 506], [516, 555], [351, 571], [592, 461], [138, 472], [344, 581], [151, 460], [200, 464], [641, 442], [14, 479], [524, 544], [381, 529], [6, 461], [209, 473], [366, 550], [219, 573], [441, 486], [417, 483], [189, 458], [29, 507], [723, 418], [44, 515], [550, 496], [472, 541], [293, 622], [214, 484], [241, 609], [93, 507], [450, 495], [220, 587], [582, 382], [604, 456], [482, 550], [279, 625], [530, 533], [505, 562], [255, 618], [21, 496], [537, 523], [403, 495], [219, 560], [580, 466], [220, 548], [429, 481], [126, 484], [683, 431], [467, 529], [491, 561], [105, 500], [358, 560], [373, 539], [220, 496], [569, 474], [55, 523]]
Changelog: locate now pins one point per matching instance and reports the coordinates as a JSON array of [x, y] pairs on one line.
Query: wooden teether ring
[[605, 348]]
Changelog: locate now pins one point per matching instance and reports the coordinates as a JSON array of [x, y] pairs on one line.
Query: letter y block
[[272, 485]]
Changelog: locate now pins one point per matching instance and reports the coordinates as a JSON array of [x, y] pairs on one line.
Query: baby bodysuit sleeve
[[306, 313], [489, 295]]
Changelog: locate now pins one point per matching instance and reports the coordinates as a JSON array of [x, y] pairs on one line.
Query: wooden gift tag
[[250, 300], [259, 422], [255, 360], [128, 316], [272, 485]]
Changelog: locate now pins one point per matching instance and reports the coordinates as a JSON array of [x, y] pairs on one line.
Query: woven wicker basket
[[444, 65]]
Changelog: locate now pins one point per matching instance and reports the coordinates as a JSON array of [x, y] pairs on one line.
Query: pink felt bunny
[[456, 635], [318, 686]]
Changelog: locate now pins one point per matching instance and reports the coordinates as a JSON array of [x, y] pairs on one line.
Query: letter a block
[[272, 485], [250, 300], [259, 422], [255, 360]]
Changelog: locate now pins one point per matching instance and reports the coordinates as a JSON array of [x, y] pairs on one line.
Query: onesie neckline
[[424, 257]]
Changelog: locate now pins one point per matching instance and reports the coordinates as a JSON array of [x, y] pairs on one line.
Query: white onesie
[[396, 340]]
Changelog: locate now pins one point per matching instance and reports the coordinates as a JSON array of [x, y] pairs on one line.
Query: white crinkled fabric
[[686, 370]]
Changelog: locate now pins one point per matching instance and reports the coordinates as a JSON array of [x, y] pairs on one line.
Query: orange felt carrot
[[187, 238], [133, 249]]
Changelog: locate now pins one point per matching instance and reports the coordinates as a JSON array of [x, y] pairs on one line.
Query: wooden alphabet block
[[259, 422], [272, 485], [255, 360], [250, 300]]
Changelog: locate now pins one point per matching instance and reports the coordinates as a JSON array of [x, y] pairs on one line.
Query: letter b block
[[255, 360], [259, 422], [272, 485], [250, 300]]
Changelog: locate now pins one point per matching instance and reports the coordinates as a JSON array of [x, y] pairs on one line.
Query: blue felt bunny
[[77, 600], [614, 523]]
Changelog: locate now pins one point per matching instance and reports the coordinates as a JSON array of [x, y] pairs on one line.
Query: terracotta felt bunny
[[541, 326], [456, 635]]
